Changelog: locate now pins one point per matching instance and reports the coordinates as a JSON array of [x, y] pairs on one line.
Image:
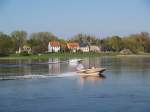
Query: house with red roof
[[54, 46], [73, 46]]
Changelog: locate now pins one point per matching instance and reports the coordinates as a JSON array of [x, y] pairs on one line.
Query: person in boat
[[80, 67]]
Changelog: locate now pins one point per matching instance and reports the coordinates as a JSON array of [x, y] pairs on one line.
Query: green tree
[[84, 38], [143, 39], [39, 41], [5, 44], [116, 43], [130, 43], [138, 42], [19, 39]]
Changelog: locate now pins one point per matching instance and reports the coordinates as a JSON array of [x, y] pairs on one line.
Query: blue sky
[[66, 18]]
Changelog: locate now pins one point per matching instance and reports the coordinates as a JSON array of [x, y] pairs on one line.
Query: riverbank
[[58, 55], [70, 55], [135, 55]]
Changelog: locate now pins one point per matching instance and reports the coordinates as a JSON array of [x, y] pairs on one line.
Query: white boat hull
[[91, 72]]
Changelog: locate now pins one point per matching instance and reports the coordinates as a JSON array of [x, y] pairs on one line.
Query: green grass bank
[[57, 55]]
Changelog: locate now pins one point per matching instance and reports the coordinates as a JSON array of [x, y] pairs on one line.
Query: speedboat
[[91, 72]]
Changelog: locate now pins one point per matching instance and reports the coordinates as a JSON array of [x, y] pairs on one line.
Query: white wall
[[84, 49], [53, 49]]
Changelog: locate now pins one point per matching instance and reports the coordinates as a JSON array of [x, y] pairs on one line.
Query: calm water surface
[[42, 87]]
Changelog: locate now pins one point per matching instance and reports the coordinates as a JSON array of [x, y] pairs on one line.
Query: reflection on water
[[116, 65], [26, 67], [54, 68], [92, 79]]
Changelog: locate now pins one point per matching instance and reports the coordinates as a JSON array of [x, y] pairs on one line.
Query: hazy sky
[[68, 17]]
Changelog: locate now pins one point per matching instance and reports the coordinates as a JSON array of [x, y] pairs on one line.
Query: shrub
[[3, 55], [126, 52], [24, 53]]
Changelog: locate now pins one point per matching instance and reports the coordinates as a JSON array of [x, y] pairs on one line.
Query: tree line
[[38, 42], [9, 44], [136, 42]]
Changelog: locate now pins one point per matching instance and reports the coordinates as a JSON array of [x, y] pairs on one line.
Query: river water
[[37, 86]]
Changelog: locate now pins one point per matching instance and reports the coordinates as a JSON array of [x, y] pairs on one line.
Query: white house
[[25, 48], [94, 48], [84, 47], [54, 46]]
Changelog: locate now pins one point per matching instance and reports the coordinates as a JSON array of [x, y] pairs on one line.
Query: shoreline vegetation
[[69, 55], [57, 55], [21, 45]]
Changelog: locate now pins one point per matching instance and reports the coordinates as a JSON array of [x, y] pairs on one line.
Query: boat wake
[[37, 76]]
